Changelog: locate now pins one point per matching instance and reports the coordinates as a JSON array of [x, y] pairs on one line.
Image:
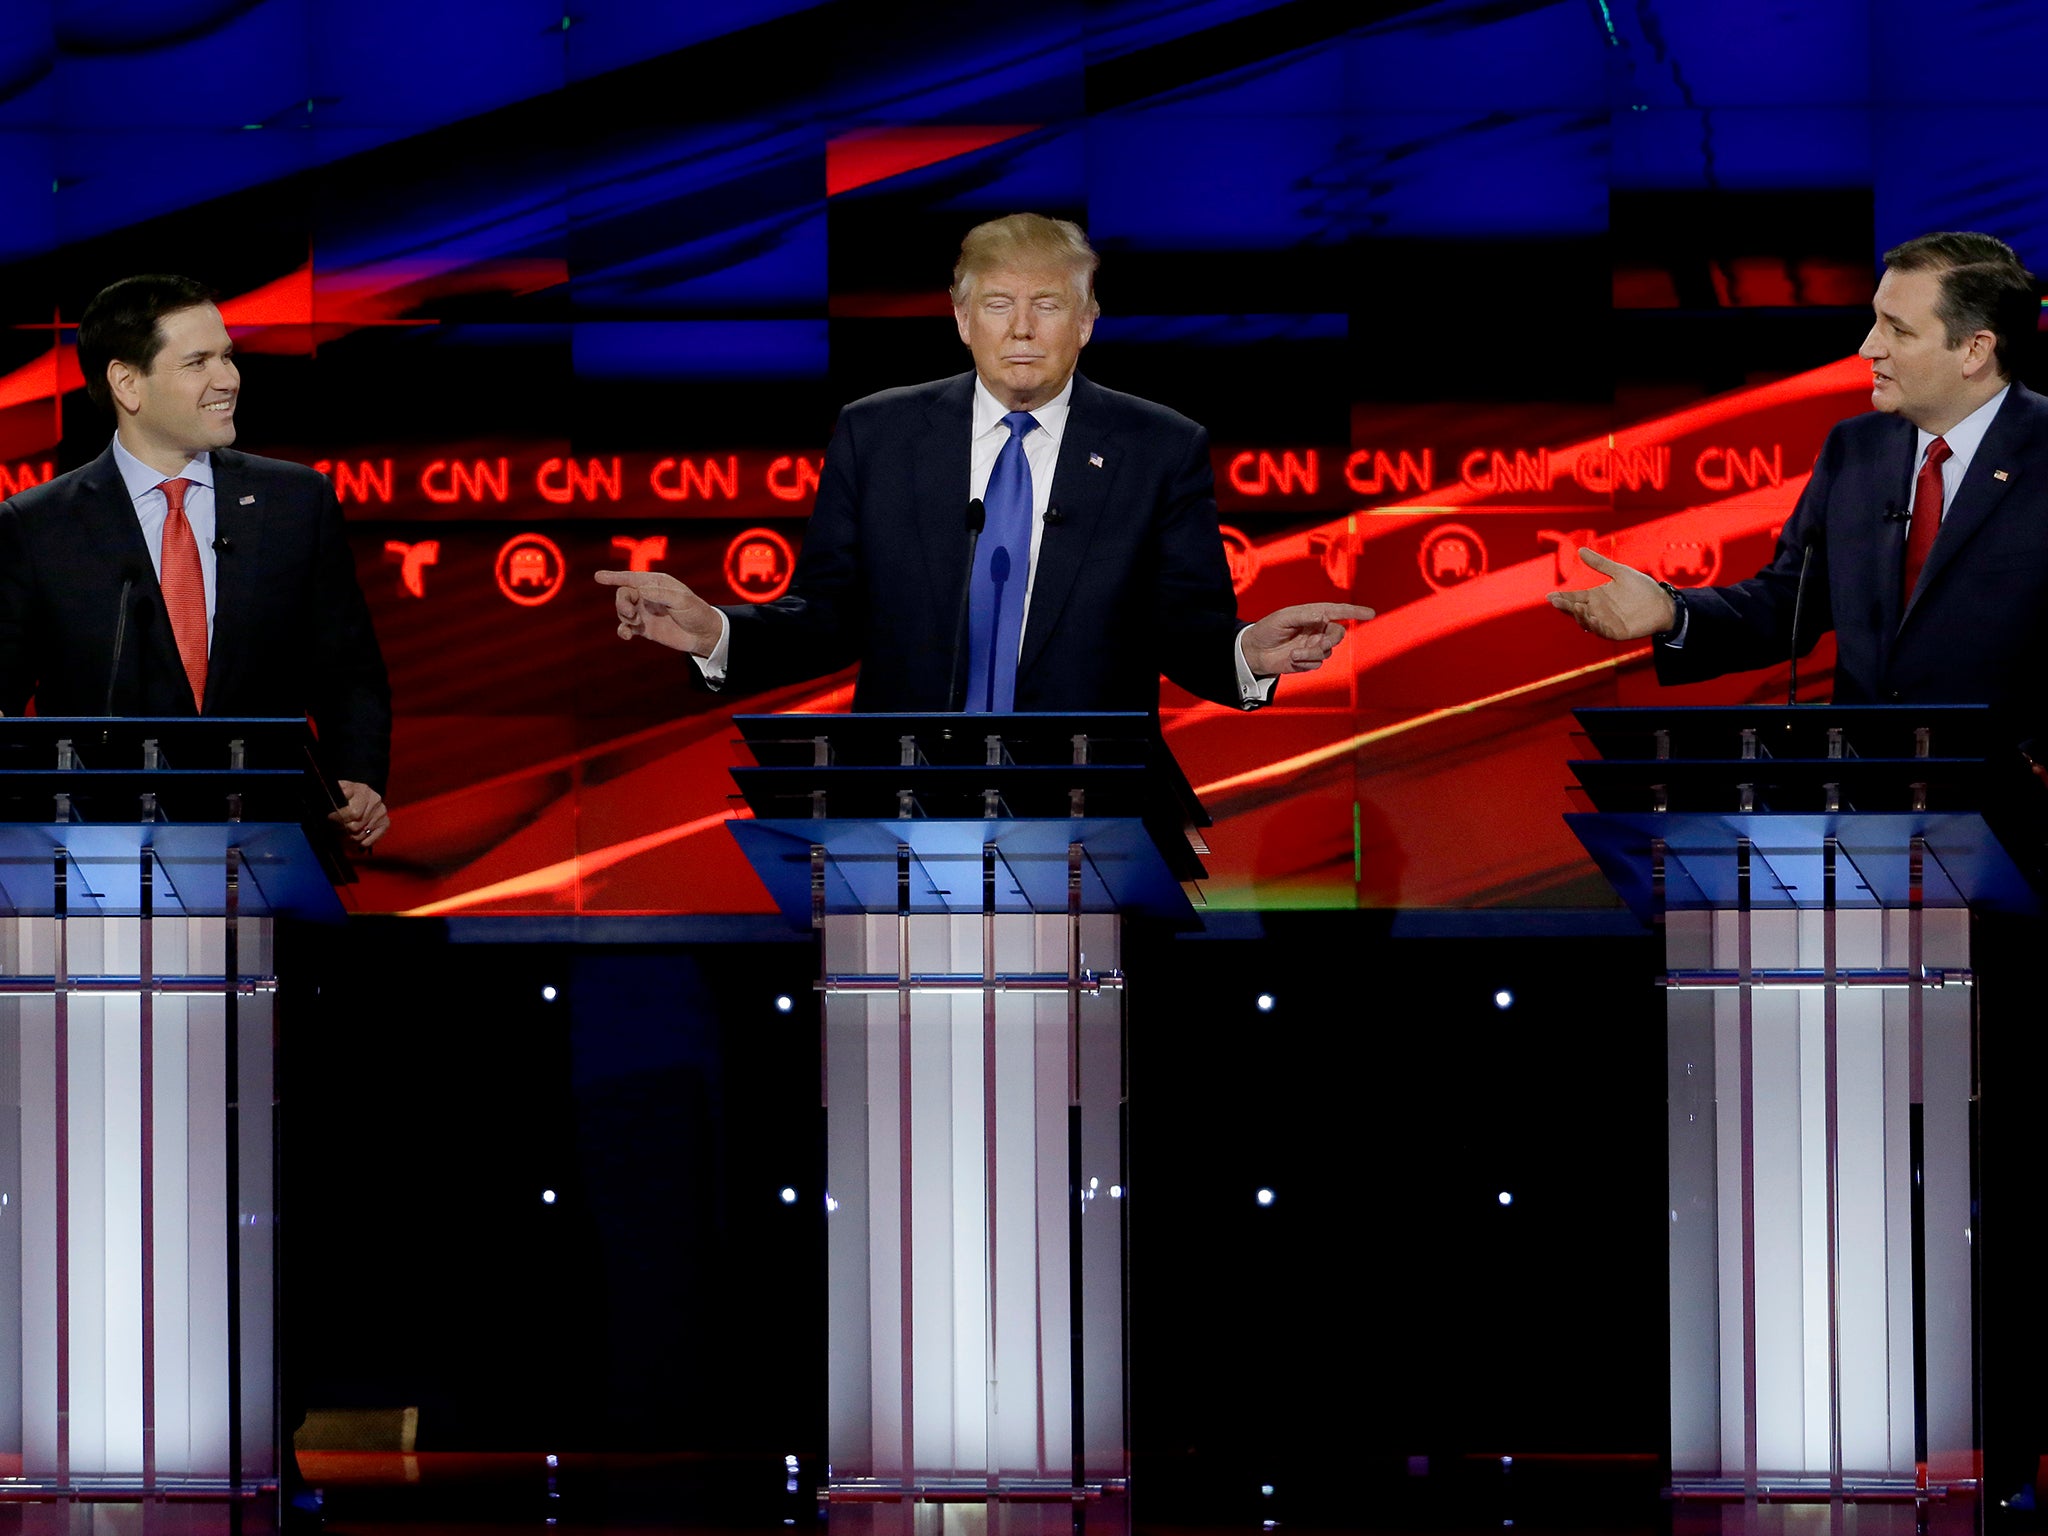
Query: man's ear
[[124, 385], [1979, 352]]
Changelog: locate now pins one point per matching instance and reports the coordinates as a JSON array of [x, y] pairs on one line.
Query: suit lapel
[[238, 532], [1090, 456], [1993, 469], [1895, 469], [944, 463]]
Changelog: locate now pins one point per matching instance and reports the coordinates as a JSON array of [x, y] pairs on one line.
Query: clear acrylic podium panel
[[952, 1357], [174, 1428], [1893, 1090]]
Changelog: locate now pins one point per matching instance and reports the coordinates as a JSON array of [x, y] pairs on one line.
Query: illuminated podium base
[[114, 1143], [975, 1229], [1814, 870], [143, 864], [969, 876]]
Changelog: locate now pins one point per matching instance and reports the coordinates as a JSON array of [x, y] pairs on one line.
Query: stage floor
[[484, 1494]]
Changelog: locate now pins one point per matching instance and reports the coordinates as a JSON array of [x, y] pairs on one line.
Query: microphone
[[1053, 518], [1798, 604], [120, 639], [223, 545], [1894, 513], [977, 519]]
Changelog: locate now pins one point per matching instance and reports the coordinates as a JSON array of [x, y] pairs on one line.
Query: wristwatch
[[1677, 610]]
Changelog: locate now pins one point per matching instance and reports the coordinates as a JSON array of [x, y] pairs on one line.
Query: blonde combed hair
[[1026, 240]]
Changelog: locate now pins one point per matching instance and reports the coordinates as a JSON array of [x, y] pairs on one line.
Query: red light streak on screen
[[1374, 729], [874, 154]]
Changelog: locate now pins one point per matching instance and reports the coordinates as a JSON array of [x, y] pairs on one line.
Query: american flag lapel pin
[[248, 501], [1096, 460], [1999, 474]]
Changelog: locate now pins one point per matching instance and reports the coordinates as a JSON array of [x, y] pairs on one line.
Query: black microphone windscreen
[[977, 516]]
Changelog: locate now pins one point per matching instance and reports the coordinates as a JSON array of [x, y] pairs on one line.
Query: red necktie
[[1926, 516], [184, 589]]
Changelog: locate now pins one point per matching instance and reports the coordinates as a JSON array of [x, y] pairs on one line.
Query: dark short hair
[[121, 324], [1983, 288]]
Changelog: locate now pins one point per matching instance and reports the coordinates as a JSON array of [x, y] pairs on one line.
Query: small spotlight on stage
[[831, 1205], [1507, 1197], [548, 993], [547, 1197], [784, 1003], [1266, 1489], [1265, 1197], [1503, 999], [788, 1195], [1266, 1002], [1116, 1191], [554, 1460]]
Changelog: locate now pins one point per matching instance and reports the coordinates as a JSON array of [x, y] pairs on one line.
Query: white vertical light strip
[[1103, 1293], [1945, 1058], [958, 1295], [173, 1218], [1691, 1118], [259, 1238], [1898, 1218], [121, 1230], [885, 1277], [38, 1219], [1781, 1255], [88, 1204], [206, 1184], [1017, 1440], [1728, 1215], [1867, 1408], [1814, 1364]]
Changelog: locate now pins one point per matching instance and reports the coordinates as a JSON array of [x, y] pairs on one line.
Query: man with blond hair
[[1097, 562]]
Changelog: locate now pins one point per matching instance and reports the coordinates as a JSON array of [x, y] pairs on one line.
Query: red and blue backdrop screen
[[547, 286]]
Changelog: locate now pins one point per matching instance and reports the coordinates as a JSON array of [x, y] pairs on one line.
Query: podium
[[968, 875], [1814, 869], [142, 866]]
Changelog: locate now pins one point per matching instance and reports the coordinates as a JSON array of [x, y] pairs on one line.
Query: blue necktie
[[1002, 564]]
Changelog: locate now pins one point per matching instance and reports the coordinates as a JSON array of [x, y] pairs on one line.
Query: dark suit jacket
[[1131, 580], [1976, 631], [291, 632]]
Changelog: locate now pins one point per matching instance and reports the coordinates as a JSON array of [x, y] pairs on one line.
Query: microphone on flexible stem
[[1798, 605], [977, 519], [120, 640]]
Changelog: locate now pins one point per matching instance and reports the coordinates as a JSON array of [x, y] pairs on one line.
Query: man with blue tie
[[1096, 560], [175, 576]]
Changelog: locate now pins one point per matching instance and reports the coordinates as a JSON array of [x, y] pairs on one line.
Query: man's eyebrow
[[1896, 322]]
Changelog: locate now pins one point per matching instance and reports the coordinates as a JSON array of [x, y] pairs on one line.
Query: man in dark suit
[[240, 590], [1099, 568], [1924, 526]]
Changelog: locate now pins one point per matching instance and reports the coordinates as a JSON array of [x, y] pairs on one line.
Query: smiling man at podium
[[175, 576]]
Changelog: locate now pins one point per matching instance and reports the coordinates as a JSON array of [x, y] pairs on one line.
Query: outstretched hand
[[655, 606], [1300, 638], [1627, 606]]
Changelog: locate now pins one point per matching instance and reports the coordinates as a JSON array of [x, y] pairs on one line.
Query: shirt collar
[[1965, 435], [1051, 416], [141, 479]]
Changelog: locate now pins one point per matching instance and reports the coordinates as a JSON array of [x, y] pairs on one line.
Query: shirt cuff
[[1252, 691], [712, 667]]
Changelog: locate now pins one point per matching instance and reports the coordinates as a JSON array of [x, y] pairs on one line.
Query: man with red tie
[[239, 591], [1924, 529]]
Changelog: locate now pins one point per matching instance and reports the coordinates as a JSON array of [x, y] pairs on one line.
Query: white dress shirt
[[145, 490], [1042, 453]]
